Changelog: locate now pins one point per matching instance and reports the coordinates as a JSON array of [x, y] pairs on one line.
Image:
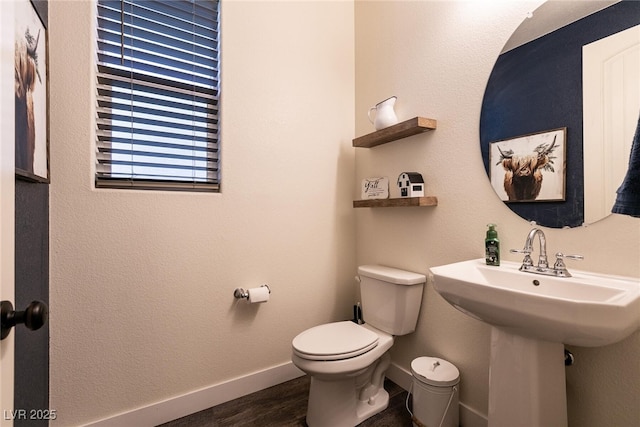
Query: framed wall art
[[529, 168], [31, 94]]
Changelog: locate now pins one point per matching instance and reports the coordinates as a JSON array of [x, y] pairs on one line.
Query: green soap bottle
[[492, 246]]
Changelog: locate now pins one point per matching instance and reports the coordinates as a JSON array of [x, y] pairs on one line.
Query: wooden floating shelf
[[401, 202], [398, 131]]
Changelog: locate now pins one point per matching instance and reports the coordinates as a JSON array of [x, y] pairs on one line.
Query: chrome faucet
[[559, 269]]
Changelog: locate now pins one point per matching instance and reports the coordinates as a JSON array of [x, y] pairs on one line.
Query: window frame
[[119, 87]]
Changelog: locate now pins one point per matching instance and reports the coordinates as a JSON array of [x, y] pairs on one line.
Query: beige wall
[[142, 282], [436, 57]]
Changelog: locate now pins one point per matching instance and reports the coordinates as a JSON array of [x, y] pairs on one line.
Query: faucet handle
[[560, 259], [527, 255], [521, 251], [574, 257]]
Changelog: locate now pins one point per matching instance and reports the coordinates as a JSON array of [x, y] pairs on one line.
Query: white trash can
[[435, 393]]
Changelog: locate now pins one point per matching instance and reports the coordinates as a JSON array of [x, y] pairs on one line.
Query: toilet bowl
[[345, 391], [347, 361], [363, 345]]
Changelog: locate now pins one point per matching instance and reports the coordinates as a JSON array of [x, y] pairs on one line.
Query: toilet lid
[[334, 341]]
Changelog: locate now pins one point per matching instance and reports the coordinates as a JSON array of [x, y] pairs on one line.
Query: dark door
[[31, 386]]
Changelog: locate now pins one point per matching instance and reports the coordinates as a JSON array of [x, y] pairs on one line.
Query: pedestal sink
[[532, 317]]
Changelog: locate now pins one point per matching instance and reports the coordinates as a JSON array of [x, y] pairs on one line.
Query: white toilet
[[346, 361]]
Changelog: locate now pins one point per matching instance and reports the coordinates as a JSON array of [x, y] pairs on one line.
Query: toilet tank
[[391, 298]]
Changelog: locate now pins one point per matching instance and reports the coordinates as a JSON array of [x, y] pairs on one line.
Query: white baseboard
[[469, 417], [400, 376], [189, 403]]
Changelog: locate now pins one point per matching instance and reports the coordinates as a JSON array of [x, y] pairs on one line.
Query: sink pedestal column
[[526, 382]]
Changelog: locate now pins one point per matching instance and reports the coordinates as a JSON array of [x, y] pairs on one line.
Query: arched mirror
[[555, 129]]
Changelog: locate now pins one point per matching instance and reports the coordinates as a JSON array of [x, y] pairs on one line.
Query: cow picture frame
[[31, 93], [529, 168]]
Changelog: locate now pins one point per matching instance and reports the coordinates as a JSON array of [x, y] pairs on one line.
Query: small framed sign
[[375, 188]]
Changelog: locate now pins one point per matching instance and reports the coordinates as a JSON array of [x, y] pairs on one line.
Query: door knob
[[34, 317]]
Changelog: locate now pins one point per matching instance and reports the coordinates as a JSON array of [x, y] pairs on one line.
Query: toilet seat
[[334, 341]]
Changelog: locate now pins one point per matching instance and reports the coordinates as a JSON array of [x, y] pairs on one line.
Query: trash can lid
[[434, 371]]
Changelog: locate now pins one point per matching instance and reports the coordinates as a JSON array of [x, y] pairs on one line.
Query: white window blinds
[[157, 94]]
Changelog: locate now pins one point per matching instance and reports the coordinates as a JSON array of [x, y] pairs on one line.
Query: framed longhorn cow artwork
[[31, 94], [530, 168]]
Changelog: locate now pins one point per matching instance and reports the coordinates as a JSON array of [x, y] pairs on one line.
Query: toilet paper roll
[[260, 294]]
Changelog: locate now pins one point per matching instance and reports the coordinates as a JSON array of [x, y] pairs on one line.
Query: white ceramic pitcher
[[384, 114]]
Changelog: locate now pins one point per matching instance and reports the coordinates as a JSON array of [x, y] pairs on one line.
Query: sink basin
[[586, 310], [532, 317]]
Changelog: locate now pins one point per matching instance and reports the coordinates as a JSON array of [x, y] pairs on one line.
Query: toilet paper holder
[[240, 293]]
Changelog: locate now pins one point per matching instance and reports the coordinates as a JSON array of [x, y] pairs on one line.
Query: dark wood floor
[[285, 405]]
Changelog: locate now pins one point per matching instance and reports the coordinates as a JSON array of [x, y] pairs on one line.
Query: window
[[157, 95]]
